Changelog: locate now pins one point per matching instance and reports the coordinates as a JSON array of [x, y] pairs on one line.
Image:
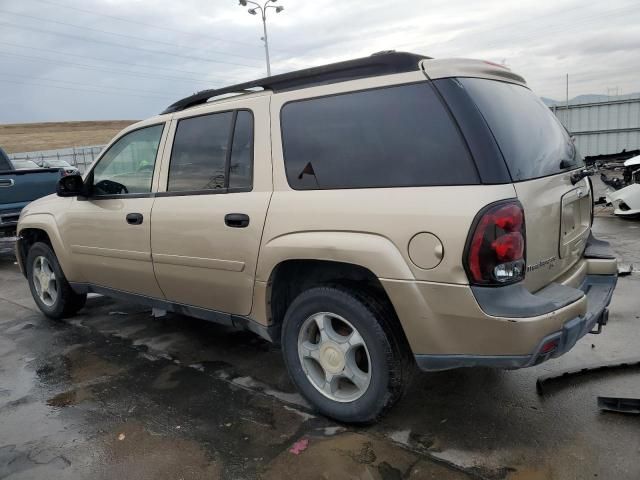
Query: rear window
[[388, 137], [24, 165], [532, 140]]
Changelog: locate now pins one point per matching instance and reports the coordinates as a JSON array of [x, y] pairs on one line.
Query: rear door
[[540, 157], [207, 220]]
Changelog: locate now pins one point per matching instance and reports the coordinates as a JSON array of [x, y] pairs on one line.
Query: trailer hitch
[[602, 321]]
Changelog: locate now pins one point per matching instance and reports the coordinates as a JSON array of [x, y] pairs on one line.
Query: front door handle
[[236, 220], [7, 182], [134, 218]]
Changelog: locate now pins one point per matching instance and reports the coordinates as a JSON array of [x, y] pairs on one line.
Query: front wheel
[[344, 353], [49, 287]]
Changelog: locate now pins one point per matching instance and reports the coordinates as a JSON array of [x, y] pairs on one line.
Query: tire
[[386, 353], [65, 302]]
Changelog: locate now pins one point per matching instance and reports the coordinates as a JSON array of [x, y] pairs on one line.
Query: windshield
[[532, 140], [24, 164]]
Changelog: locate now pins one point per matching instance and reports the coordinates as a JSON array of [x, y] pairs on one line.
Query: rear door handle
[[7, 182], [236, 220], [134, 218]]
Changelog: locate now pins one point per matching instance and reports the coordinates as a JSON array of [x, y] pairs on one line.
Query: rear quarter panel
[[393, 214]]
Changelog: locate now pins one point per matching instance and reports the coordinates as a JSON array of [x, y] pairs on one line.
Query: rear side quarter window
[[400, 136]]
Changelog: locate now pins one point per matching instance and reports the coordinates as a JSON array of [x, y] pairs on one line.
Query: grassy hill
[[28, 137]]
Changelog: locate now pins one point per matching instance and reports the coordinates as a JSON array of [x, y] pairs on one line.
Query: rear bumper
[[598, 290], [452, 326]]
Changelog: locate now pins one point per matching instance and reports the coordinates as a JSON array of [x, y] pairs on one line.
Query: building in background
[[602, 125]]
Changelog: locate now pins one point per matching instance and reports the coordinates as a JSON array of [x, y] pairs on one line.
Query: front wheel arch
[[66, 302]]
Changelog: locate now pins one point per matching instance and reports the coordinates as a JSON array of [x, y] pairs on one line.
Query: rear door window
[[212, 152], [532, 140], [399, 136], [199, 155]]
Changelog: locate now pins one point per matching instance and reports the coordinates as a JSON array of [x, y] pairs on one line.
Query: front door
[[206, 228], [109, 232]]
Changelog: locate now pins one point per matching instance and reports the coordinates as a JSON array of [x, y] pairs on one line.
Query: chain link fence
[[79, 157]]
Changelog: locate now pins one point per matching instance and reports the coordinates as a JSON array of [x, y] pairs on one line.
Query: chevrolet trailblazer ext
[[370, 215]]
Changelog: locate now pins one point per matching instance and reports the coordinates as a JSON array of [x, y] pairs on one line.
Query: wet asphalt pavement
[[115, 393]]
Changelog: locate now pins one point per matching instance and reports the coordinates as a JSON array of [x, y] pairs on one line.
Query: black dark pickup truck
[[22, 181]]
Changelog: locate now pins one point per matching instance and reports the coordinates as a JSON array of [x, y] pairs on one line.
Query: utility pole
[[266, 42], [263, 14]]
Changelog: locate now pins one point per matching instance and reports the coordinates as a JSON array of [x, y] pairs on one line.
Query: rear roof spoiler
[[466, 67]]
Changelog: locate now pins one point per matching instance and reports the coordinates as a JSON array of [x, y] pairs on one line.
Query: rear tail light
[[550, 346], [496, 245]]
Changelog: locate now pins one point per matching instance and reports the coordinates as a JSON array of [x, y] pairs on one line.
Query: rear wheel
[[49, 287], [344, 354]]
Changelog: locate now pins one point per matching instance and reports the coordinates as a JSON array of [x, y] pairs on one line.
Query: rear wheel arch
[[290, 278]]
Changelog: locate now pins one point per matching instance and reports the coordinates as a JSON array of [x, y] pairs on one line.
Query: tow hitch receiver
[[602, 321]]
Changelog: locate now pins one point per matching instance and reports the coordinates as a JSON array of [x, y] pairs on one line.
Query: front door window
[[127, 167]]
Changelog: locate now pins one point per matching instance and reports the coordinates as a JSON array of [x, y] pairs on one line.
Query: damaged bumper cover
[[626, 201], [519, 304]]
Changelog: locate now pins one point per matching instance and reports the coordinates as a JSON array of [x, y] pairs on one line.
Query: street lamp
[[263, 14]]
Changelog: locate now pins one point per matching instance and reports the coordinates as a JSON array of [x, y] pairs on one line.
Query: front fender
[[374, 252], [46, 222]]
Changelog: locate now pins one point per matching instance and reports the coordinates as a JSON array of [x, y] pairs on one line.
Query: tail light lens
[[496, 245]]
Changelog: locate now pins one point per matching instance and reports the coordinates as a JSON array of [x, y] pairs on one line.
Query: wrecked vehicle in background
[[632, 170], [626, 201], [626, 198], [630, 175]]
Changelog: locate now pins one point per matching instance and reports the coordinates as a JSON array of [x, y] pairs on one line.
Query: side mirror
[[70, 186]]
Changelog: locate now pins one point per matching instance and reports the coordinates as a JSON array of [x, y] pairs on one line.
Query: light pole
[[263, 14]]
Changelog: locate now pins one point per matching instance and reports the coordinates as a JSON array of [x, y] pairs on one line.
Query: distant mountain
[[549, 102], [588, 98]]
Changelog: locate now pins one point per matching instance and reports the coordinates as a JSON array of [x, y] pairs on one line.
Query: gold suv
[[370, 215]]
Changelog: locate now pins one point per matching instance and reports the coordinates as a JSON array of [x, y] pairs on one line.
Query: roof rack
[[383, 63]]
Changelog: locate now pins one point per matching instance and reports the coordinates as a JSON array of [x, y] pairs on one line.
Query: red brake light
[[509, 247], [495, 251], [549, 346]]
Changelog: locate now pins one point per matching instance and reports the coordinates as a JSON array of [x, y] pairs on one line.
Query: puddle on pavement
[[132, 451], [355, 455], [70, 397]]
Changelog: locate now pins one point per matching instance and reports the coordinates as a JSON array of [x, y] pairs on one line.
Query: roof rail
[[382, 63]]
